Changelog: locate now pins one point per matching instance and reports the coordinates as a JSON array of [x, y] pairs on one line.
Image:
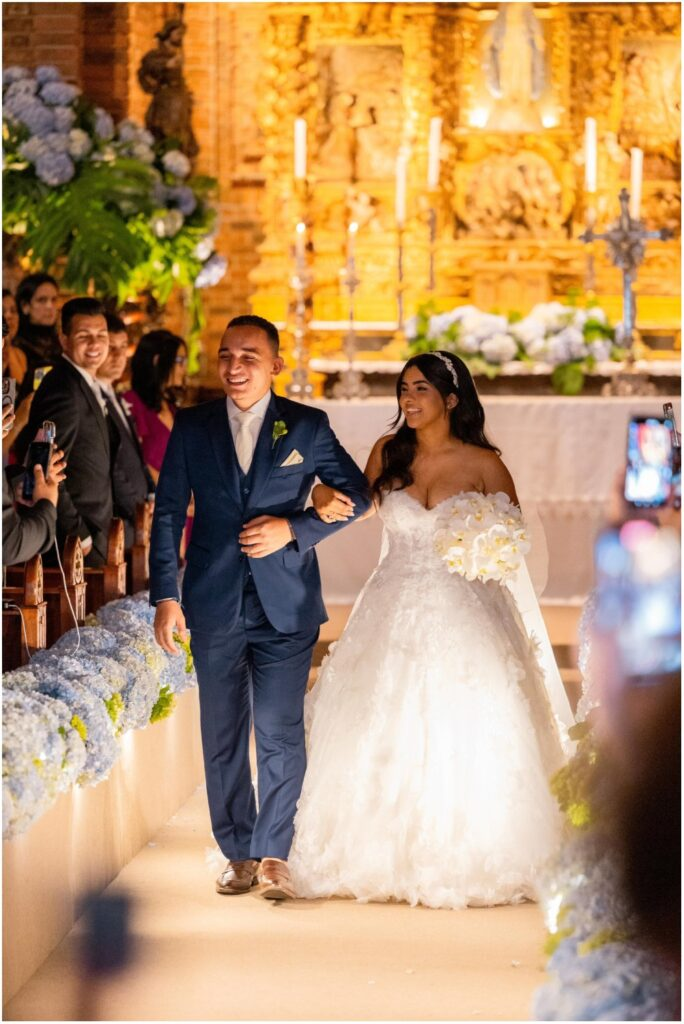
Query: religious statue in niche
[[514, 197], [361, 117], [514, 62], [652, 90], [169, 115]]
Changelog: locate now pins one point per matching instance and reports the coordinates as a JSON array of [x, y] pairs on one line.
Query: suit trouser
[[253, 670]]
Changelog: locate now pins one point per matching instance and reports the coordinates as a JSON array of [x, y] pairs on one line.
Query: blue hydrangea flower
[[14, 73], [48, 73], [59, 94], [21, 87], [104, 124], [64, 118], [79, 144], [34, 148], [212, 271], [182, 198], [38, 118], [176, 163], [55, 169]]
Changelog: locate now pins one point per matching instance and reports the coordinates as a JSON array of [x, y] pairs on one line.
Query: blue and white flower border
[[64, 713]]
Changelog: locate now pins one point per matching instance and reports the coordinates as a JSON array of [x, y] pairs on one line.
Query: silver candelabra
[[351, 383], [300, 387]]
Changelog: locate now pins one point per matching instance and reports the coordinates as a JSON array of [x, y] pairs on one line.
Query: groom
[[251, 591]]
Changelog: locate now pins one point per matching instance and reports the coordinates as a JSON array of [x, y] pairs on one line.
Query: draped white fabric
[[564, 454]]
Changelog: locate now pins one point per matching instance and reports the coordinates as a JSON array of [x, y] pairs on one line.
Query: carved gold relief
[[510, 204]]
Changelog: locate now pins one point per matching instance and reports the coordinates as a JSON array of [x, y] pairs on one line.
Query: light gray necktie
[[244, 442]]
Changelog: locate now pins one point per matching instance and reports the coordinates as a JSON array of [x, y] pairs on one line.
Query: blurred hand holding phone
[[650, 449], [38, 454]]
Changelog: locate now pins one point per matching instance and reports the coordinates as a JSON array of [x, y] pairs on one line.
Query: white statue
[[515, 68]]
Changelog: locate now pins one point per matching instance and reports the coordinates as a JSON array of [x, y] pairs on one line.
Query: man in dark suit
[[71, 397], [131, 482], [251, 591]]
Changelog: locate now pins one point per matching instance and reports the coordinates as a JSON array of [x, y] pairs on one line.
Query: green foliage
[[80, 727], [572, 784], [568, 379], [115, 706], [185, 646], [166, 702]]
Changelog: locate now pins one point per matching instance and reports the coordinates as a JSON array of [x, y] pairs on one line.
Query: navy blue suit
[[253, 622]]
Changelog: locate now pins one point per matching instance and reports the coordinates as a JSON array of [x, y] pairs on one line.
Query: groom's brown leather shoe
[[238, 877], [275, 877]]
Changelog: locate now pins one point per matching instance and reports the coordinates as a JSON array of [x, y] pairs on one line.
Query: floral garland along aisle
[[64, 713]]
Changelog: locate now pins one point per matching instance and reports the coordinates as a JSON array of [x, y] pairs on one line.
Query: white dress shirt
[[111, 394], [92, 383], [254, 416]]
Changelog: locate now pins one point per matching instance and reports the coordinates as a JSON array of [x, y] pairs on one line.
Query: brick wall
[[44, 33], [100, 45]]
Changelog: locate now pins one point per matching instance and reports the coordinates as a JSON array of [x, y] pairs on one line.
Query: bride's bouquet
[[483, 538]]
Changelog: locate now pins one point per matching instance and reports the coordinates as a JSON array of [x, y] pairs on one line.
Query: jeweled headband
[[449, 365]]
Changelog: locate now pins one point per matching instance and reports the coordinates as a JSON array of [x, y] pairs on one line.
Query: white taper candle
[[590, 154], [300, 148], [434, 144], [400, 193], [636, 175]]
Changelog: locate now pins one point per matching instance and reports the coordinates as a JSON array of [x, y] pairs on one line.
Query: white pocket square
[[293, 459]]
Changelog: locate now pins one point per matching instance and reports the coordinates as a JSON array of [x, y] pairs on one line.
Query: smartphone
[[676, 493], [648, 480], [38, 454], [9, 393], [637, 616], [39, 375]]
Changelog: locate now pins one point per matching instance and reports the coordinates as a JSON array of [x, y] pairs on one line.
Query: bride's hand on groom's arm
[[331, 506], [264, 535]]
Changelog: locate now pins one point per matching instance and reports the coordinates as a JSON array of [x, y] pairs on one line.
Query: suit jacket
[[200, 459], [25, 531], [85, 500], [131, 483]]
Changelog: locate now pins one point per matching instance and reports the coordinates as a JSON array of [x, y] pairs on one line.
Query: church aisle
[[205, 957]]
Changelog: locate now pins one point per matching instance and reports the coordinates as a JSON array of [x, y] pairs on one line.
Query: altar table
[[564, 455]]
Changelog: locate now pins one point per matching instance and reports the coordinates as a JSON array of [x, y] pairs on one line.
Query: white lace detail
[[430, 739]]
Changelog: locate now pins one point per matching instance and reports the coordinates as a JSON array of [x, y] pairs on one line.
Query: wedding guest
[[37, 336], [11, 315], [131, 481], [29, 529], [71, 397], [157, 384]]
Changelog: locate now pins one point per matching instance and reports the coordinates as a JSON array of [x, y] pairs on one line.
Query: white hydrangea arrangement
[[158, 217], [568, 339], [63, 715], [482, 537]]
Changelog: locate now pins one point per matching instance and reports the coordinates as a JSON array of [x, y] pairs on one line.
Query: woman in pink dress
[[157, 384]]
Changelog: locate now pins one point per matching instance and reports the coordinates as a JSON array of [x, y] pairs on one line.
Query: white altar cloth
[[563, 453]]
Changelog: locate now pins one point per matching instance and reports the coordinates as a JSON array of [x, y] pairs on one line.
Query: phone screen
[[638, 593], [648, 479], [39, 453]]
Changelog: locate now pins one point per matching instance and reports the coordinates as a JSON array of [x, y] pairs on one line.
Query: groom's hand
[[264, 535], [169, 619]]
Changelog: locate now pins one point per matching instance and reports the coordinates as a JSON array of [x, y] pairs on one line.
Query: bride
[[431, 736]]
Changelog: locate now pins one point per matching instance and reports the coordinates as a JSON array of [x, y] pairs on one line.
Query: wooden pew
[[28, 599], [138, 564], [59, 616], [108, 583]]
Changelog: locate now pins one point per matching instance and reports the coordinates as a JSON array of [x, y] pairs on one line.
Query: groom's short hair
[[269, 329]]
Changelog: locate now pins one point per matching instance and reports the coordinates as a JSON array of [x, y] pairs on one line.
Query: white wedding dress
[[431, 738]]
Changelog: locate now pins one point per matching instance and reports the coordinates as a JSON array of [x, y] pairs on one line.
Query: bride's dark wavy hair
[[466, 420]]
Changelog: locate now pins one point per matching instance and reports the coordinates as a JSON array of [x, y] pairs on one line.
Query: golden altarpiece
[[510, 203]]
